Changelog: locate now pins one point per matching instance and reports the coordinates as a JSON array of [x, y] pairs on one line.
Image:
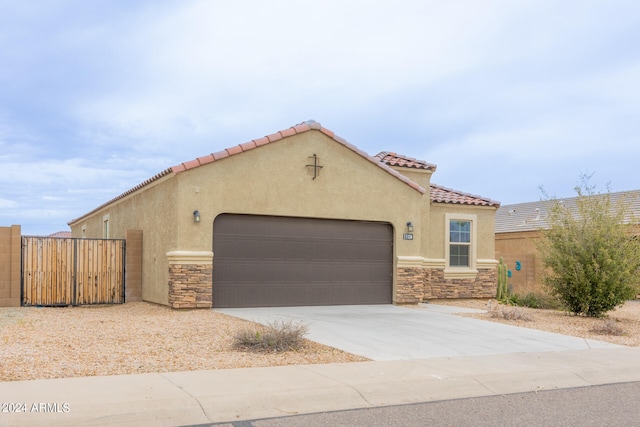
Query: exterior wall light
[[196, 216], [409, 227]]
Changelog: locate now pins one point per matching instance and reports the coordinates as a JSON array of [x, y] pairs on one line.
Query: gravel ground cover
[[620, 326], [138, 337], [40, 343]]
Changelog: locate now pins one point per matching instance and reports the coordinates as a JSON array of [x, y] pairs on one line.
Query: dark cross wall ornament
[[315, 164]]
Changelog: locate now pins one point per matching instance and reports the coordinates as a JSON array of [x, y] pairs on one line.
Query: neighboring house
[[61, 234], [302, 217], [519, 226]]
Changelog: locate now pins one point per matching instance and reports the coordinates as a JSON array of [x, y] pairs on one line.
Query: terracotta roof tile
[[302, 127], [217, 156], [441, 194], [400, 160], [249, 145], [154, 178], [236, 149], [270, 138], [231, 151], [327, 132], [288, 132], [191, 164], [206, 159]]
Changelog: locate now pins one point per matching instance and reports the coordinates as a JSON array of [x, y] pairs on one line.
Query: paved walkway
[[202, 397]]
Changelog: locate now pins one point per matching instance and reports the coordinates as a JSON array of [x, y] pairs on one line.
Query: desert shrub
[[510, 314], [592, 261], [608, 327], [276, 336]]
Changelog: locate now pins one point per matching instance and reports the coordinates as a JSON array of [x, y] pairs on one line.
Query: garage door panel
[[278, 261]]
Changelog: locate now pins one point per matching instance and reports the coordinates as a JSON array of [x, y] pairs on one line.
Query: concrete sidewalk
[[202, 397]]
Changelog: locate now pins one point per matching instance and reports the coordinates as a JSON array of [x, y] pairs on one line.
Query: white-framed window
[[105, 226], [460, 253]]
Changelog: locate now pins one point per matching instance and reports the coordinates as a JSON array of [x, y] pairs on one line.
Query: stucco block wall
[[133, 267], [152, 213], [10, 247], [521, 247]]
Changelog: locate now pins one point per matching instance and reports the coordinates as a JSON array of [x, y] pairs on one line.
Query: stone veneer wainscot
[[190, 279]]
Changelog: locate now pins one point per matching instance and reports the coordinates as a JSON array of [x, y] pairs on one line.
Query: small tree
[[591, 257]]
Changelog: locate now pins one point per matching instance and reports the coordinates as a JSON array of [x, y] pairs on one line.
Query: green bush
[[592, 261], [276, 336]]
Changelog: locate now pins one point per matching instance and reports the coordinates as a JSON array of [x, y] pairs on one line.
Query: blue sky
[[504, 96]]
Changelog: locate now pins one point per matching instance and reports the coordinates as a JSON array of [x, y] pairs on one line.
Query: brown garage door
[[265, 261]]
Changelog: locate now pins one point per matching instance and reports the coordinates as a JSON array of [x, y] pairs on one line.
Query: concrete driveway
[[389, 332]]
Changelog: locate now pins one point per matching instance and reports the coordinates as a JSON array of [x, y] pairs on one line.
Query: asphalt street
[[602, 405]]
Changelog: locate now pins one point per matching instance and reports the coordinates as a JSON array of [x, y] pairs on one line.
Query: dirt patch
[[138, 337], [625, 318]]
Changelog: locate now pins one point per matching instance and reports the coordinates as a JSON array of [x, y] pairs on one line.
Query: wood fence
[[59, 271]]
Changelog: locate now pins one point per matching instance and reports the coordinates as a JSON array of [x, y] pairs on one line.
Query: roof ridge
[[255, 143], [294, 130]]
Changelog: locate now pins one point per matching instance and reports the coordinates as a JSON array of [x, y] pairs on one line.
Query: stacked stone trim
[[483, 285], [190, 285], [410, 285], [190, 279], [415, 284]]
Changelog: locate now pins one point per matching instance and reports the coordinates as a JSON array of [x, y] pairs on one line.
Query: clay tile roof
[[532, 216], [255, 143], [441, 194], [393, 159], [297, 129]]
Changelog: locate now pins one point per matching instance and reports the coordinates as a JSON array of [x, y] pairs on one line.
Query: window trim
[[461, 271]]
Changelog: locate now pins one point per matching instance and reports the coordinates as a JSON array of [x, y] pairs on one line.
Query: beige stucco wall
[[274, 180], [484, 219], [152, 211], [269, 180]]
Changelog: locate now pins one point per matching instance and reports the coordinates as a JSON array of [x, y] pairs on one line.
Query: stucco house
[[302, 217], [519, 226]]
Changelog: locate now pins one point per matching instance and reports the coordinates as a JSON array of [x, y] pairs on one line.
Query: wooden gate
[[72, 271]]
